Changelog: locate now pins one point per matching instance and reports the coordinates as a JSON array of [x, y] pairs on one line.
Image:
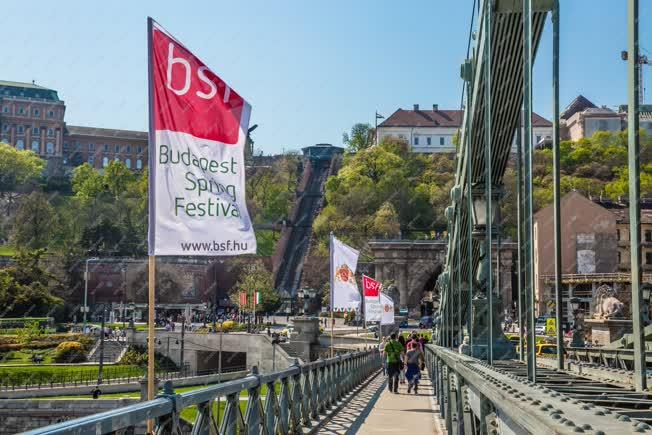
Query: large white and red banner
[[371, 290], [345, 295], [198, 129]]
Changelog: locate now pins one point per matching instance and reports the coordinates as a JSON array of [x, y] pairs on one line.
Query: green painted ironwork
[[527, 144], [307, 392], [556, 183], [634, 163], [488, 179]]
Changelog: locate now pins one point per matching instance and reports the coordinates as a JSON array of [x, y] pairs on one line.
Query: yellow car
[[544, 350]]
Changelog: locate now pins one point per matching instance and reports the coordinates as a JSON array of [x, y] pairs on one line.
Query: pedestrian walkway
[[375, 410]]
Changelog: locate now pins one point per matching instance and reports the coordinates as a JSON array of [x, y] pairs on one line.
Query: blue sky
[[310, 69]]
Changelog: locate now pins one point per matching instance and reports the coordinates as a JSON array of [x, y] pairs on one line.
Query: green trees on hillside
[[385, 190]]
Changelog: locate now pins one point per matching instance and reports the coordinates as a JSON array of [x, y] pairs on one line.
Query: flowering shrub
[[69, 352]]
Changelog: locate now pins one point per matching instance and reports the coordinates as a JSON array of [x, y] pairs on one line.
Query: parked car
[[426, 322], [403, 324]]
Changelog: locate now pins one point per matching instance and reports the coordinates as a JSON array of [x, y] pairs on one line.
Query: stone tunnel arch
[[411, 265]]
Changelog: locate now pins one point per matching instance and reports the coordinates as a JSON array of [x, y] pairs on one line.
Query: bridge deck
[[376, 410]]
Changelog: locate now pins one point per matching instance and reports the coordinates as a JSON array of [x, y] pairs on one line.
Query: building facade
[[432, 131], [32, 117], [588, 250], [582, 119]]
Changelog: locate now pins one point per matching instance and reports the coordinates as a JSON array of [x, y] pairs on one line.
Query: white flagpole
[[332, 294]]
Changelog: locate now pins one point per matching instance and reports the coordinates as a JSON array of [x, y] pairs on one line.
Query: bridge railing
[[306, 392], [476, 398]]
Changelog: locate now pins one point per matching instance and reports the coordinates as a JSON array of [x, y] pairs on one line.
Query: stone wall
[[24, 415]]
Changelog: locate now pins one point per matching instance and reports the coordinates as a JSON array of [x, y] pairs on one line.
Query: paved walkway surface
[[375, 410]]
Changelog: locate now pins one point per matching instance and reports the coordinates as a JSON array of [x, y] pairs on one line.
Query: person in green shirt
[[394, 351]]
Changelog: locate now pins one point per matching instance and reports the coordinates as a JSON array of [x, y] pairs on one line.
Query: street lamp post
[[85, 307], [124, 293], [578, 324], [100, 371]]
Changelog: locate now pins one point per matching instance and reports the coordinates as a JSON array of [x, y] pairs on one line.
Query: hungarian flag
[[198, 129], [257, 298]]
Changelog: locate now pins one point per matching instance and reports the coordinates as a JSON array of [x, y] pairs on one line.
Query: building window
[[36, 113], [128, 163], [65, 146], [128, 148], [20, 144], [602, 125], [139, 164], [106, 147], [441, 141], [21, 110], [91, 160], [416, 140], [5, 128], [21, 129], [117, 148], [49, 148], [648, 258], [105, 161], [116, 159], [648, 236], [139, 149], [51, 114], [36, 146], [429, 140], [50, 132], [538, 139], [36, 130], [91, 147], [620, 260], [5, 109], [618, 234], [77, 146]]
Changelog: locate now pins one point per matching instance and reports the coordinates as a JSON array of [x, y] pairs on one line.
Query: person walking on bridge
[[413, 358], [394, 351]]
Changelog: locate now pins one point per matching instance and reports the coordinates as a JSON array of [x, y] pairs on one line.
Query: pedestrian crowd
[[403, 360]]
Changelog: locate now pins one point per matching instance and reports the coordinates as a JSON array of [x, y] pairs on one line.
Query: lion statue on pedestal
[[606, 305]]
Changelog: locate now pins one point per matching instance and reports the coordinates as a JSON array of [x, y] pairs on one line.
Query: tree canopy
[[386, 190]]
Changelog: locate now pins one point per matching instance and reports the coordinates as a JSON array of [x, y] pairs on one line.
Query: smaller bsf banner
[[388, 310], [345, 295], [372, 308], [243, 299]]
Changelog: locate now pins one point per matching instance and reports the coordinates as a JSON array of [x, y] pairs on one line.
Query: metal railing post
[[488, 179], [556, 183], [633, 66], [527, 144]]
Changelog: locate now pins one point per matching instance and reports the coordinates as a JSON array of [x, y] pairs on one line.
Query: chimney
[[416, 107], [435, 107]]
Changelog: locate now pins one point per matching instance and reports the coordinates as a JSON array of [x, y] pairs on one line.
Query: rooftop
[[108, 133], [620, 208], [439, 118], [579, 104], [27, 90]]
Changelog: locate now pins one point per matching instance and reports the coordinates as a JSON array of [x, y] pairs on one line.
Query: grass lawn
[[7, 251], [19, 357], [81, 373]]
